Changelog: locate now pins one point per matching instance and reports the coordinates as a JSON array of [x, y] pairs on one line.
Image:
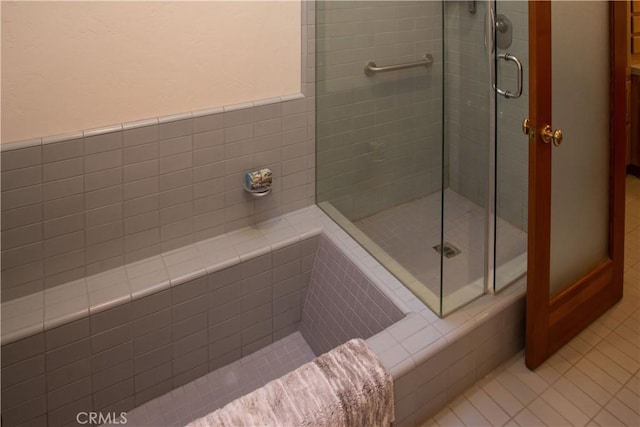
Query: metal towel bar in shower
[[371, 68]]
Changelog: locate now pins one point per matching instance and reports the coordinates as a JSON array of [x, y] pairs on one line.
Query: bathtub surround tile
[[21, 216], [169, 147], [141, 153], [22, 236], [22, 350], [20, 197], [141, 254], [207, 120], [22, 158], [185, 310], [68, 374], [214, 138], [331, 270], [111, 257], [235, 115], [22, 371], [65, 149], [140, 188], [111, 338], [63, 188], [102, 140], [102, 179], [147, 324], [63, 207], [229, 344], [173, 127], [25, 411], [103, 197], [191, 325], [107, 397], [103, 160], [181, 229], [103, 215], [141, 205], [111, 318], [178, 179], [137, 171], [21, 178], [139, 135], [12, 258], [141, 222]]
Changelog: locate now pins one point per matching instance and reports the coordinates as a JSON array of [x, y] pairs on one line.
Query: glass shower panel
[[512, 147], [467, 120], [379, 137]]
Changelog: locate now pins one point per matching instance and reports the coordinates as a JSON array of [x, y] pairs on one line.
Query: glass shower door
[[511, 37], [467, 101], [404, 148], [379, 133]]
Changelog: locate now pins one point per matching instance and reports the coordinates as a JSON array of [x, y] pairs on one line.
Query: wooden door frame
[[552, 323]]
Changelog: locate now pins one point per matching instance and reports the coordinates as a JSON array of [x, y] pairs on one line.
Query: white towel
[[348, 386]]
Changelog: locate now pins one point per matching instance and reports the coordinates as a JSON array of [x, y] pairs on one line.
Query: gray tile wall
[[468, 94], [379, 139], [467, 110], [512, 162], [120, 358], [342, 303], [82, 206]]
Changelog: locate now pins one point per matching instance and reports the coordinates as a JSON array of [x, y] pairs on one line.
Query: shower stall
[[419, 150]]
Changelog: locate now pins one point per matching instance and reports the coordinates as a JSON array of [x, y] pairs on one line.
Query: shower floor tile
[[214, 390], [410, 231]]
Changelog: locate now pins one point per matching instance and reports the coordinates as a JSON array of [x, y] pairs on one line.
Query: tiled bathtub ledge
[[407, 340], [65, 303]]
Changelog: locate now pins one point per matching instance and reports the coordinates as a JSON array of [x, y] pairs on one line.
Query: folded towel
[[348, 386]]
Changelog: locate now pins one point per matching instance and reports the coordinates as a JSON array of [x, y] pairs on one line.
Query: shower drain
[[447, 249]]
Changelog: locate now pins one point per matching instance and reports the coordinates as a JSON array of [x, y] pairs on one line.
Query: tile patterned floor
[[219, 387], [409, 232], [593, 381]]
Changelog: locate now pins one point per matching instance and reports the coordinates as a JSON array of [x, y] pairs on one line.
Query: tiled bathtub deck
[[62, 304]]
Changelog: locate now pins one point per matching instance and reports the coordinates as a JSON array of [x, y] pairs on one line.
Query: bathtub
[[113, 342]]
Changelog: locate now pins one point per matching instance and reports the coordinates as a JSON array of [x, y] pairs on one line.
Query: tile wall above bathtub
[[79, 204], [85, 204]]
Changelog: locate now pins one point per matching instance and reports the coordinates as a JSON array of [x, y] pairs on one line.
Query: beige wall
[[68, 66]]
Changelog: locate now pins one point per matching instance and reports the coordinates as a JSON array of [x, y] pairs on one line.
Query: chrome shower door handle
[[518, 91]]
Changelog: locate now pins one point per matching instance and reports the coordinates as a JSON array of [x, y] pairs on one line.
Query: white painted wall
[[68, 66]]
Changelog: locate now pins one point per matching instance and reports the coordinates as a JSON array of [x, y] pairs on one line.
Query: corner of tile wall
[[357, 308]]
